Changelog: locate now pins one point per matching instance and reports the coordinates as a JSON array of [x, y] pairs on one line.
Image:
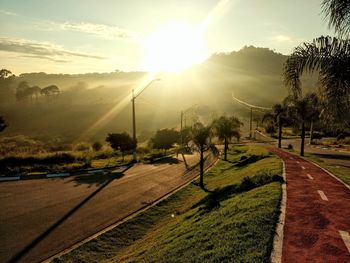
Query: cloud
[[101, 30], [42, 50], [282, 38], [7, 13]]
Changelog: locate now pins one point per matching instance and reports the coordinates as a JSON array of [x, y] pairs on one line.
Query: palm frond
[[330, 57], [338, 14]]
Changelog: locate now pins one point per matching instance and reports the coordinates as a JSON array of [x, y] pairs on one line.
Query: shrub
[[143, 150], [270, 128], [97, 146], [341, 136], [83, 146], [317, 135]]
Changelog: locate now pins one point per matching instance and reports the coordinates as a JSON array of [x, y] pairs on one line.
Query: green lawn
[[233, 222], [341, 172]]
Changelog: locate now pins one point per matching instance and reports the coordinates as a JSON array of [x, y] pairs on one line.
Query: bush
[[58, 158], [97, 146], [143, 150], [270, 128], [317, 135], [83, 146], [341, 136]]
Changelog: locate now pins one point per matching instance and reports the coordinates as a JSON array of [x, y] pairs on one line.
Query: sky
[[103, 36]]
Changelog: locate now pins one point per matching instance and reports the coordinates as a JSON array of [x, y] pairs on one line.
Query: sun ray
[[117, 108], [181, 45]]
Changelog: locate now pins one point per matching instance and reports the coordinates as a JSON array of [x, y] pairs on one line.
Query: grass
[[233, 222], [341, 172]]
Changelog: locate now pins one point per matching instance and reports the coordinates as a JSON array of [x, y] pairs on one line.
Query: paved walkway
[[317, 219]]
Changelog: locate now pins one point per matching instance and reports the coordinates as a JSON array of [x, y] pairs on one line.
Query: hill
[[252, 74]]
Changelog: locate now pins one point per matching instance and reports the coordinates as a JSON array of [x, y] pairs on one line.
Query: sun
[[174, 47]]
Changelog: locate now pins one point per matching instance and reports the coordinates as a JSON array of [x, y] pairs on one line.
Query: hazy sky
[[62, 36]]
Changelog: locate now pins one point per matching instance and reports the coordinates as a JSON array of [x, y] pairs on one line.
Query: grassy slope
[[237, 225], [341, 172]]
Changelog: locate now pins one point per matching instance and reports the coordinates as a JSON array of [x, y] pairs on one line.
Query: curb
[[67, 174], [325, 170], [329, 173], [276, 254], [128, 217]]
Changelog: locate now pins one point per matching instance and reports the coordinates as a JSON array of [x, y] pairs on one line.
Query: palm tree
[[225, 129], [201, 138], [303, 112], [277, 117], [338, 13], [329, 56]]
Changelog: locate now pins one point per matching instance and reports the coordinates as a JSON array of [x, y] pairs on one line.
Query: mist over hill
[[251, 74]]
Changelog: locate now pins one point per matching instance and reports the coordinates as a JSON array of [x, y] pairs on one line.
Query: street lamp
[[133, 97]]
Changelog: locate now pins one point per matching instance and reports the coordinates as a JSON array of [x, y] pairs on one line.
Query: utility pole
[[133, 125], [133, 97], [251, 123], [183, 120], [251, 107], [181, 127]]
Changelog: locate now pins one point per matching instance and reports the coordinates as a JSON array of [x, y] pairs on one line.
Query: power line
[[250, 105]]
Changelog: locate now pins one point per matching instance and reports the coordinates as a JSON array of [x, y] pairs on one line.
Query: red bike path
[[317, 214]]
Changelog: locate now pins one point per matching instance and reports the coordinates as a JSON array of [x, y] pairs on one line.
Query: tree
[[22, 90], [3, 124], [201, 137], [165, 139], [186, 135], [97, 146], [338, 13], [50, 90], [121, 142], [35, 91], [6, 85], [225, 129], [328, 56], [277, 117], [303, 111], [331, 58]]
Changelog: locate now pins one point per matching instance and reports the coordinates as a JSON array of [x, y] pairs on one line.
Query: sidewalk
[[317, 219]]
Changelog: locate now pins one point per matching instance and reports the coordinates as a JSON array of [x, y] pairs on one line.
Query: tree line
[[330, 58], [23, 91], [197, 137]]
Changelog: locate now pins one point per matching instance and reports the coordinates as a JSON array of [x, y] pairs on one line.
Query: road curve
[[40, 218]]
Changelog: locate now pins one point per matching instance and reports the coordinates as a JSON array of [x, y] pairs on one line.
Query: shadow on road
[[169, 160], [103, 183], [97, 179]]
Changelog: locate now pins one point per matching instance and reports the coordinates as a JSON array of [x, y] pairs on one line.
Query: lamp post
[[133, 97]]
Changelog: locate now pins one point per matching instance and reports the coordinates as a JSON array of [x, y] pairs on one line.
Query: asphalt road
[[39, 218]]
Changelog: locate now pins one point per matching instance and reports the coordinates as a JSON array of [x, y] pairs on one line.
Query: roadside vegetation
[[24, 155], [340, 171], [233, 221]]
